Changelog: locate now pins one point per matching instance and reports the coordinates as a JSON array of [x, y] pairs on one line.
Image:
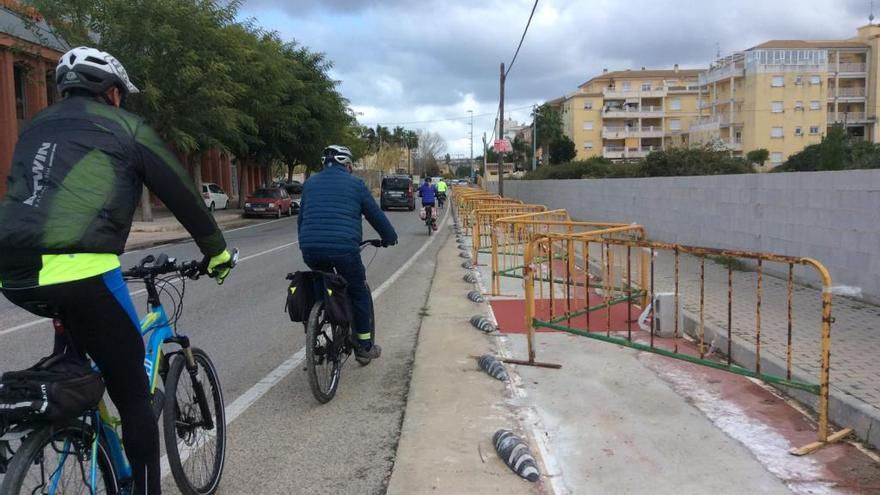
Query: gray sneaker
[[364, 356]]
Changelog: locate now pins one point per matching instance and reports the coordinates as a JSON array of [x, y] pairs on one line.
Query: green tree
[[562, 150], [692, 161], [758, 156], [549, 126], [833, 149]]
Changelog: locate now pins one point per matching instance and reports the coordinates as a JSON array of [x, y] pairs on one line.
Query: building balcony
[[614, 93], [847, 117], [691, 88], [724, 72], [851, 68], [632, 113], [621, 152], [846, 93], [630, 132]]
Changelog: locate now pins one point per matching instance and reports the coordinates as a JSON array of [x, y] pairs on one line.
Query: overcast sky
[[407, 61]]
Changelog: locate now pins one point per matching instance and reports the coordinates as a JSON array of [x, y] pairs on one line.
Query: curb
[[180, 235]]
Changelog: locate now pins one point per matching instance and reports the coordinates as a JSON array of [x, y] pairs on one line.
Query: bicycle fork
[[192, 368]]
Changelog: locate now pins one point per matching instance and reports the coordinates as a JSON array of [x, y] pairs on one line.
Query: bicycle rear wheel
[[196, 444], [324, 349], [58, 459]]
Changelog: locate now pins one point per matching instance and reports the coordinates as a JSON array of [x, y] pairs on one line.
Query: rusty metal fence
[[603, 285]]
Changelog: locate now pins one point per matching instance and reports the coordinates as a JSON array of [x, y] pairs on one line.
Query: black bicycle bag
[[337, 305], [58, 388], [300, 296]]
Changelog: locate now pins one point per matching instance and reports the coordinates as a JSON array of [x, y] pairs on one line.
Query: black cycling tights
[[101, 324]]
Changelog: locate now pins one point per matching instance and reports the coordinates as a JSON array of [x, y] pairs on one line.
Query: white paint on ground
[[799, 473]]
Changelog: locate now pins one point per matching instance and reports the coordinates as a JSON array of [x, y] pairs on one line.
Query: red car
[[273, 201]]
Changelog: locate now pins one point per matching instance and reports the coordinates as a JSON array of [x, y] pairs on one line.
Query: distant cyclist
[[441, 191], [77, 176], [330, 232], [428, 194]]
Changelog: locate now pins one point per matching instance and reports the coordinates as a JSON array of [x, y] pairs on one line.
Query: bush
[[677, 162], [837, 151], [594, 168]]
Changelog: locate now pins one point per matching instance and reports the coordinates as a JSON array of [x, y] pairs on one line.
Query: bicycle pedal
[[157, 402]]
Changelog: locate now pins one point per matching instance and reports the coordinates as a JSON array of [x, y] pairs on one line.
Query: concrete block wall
[[830, 216]]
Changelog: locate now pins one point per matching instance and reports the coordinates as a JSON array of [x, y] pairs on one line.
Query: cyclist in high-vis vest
[[441, 191], [77, 175]]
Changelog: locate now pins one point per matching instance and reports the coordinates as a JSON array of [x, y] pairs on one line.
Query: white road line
[[142, 291], [256, 392]]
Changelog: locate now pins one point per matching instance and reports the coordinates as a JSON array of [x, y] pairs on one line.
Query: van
[[397, 192]]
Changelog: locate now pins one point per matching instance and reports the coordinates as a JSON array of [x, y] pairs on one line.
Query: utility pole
[[485, 159], [534, 137], [471, 162], [501, 135]]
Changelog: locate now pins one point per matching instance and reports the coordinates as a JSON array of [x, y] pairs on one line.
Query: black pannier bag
[[58, 388], [337, 306], [300, 296]]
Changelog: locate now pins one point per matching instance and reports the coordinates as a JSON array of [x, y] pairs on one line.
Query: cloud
[[404, 61]]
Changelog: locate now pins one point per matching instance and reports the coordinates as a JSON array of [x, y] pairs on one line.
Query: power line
[[526, 30]]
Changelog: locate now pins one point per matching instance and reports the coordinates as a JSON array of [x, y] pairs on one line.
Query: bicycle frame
[[156, 323]]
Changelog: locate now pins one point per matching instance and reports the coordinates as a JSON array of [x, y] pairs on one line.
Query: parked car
[[215, 198], [397, 192], [273, 201], [293, 187]]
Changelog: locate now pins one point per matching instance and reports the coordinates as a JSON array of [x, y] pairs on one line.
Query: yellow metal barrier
[[594, 284], [473, 202], [484, 221], [510, 235]]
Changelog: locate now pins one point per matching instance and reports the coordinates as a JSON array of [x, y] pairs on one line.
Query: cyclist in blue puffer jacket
[[330, 232]]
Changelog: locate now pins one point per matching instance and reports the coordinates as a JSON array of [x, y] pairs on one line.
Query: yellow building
[[628, 114], [782, 95]]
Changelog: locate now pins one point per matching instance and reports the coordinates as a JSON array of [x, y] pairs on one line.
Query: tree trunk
[[146, 206], [197, 172], [241, 186], [290, 167]]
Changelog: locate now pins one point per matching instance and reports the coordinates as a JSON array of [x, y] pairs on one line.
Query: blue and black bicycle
[[86, 456]]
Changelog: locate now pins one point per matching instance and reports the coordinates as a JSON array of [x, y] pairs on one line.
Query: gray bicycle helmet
[[92, 70], [336, 154]]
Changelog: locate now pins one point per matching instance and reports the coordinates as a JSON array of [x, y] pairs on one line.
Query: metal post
[[501, 135], [534, 137], [471, 162]]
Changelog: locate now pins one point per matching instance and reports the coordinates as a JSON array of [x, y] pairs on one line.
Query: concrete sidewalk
[[612, 420], [453, 408]]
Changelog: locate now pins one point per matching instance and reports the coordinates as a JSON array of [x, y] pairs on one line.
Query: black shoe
[[364, 355]]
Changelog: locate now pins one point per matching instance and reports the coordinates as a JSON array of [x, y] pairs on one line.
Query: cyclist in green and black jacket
[[77, 175]]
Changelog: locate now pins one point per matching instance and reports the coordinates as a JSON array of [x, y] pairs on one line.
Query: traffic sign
[[503, 146]]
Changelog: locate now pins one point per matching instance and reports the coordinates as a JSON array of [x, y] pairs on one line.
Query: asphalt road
[[285, 442]]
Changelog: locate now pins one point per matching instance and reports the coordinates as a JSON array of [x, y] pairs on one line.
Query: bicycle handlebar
[[151, 267]]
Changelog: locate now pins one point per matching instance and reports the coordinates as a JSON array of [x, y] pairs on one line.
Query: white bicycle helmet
[[92, 70], [337, 154]]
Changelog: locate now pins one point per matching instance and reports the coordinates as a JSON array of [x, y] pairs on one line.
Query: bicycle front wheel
[[58, 460], [324, 348], [195, 425]]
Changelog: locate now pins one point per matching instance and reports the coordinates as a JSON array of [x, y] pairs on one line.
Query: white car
[[215, 198]]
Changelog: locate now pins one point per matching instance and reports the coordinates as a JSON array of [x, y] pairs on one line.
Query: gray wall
[[831, 216]]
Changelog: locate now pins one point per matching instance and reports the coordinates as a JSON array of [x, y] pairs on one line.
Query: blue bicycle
[[86, 456]]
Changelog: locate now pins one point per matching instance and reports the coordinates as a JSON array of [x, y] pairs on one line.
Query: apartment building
[[783, 95], [627, 114]]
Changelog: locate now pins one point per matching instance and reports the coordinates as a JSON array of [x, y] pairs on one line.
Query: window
[[646, 86], [19, 78], [675, 125], [799, 105], [777, 107], [815, 80], [814, 105], [798, 131], [799, 80], [814, 130], [588, 125], [776, 157], [627, 86], [778, 81], [215, 189], [588, 145], [675, 104], [776, 132], [588, 104]]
